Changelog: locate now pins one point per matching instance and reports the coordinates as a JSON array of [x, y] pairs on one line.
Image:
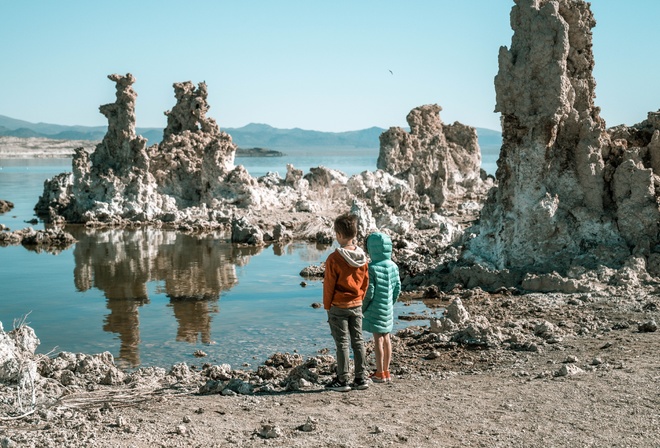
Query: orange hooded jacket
[[346, 278]]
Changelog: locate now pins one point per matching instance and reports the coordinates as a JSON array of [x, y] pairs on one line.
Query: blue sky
[[308, 64]]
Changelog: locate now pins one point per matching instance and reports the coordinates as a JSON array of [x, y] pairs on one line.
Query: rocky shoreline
[[488, 350]]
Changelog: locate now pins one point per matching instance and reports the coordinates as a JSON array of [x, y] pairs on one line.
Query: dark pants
[[346, 328]]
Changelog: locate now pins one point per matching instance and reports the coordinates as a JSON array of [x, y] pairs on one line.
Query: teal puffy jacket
[[384, 286]]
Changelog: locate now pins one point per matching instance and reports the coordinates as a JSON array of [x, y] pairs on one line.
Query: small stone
[[568, 370], [186, 419], [266, 388], [303, 284], [47, 414], [121, 421], [648, 327], [181, 430], [310, 425], [650, 307], [316, 305], [6, 442], [432, 355], [270, 431], [571, 359], [431, 292], [199, 354]]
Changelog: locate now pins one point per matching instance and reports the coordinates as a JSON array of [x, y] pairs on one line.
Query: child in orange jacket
[[345, 283]]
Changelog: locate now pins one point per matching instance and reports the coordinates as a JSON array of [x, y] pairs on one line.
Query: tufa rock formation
[[576, 208], [195, 156], [189, 180], [114, 181], [439, 161], [175, 181], [570, 193]]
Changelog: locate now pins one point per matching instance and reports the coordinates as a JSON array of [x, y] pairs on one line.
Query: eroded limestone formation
[[194, 157], [439, 161], [114, 181], [570, 193], [189, 180], [189, 177], [121, 149]]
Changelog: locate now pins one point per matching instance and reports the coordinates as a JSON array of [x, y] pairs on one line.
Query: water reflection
[[192, 271]]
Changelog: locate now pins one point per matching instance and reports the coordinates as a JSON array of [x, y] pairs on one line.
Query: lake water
[[153, 297]]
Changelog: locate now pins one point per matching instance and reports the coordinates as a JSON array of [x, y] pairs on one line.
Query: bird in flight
[[391, 72]]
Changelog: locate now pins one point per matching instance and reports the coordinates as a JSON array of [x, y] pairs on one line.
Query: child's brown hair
[[346, 225]]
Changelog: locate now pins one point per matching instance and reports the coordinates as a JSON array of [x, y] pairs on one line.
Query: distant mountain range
[[251, 135]]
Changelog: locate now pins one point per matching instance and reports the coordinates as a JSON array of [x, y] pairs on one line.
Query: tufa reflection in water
[[192, 270]]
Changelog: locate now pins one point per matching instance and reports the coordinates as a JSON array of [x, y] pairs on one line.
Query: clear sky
[[322, 65]]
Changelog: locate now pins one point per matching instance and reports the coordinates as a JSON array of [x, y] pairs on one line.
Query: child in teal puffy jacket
[[378, 304]]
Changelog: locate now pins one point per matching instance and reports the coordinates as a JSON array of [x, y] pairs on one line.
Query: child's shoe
[[378, 377], [360, 384], [388, 377], [337, 385]]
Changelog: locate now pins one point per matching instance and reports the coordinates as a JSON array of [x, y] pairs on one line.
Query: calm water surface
[[153, 297]]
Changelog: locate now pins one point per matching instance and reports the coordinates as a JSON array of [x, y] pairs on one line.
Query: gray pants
[[346, 328]]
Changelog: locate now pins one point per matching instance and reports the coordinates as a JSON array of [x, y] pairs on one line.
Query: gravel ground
[[565, 370]]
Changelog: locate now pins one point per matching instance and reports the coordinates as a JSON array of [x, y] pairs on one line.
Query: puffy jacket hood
[[355, 258], [379, 246]]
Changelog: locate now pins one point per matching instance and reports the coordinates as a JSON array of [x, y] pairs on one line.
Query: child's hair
[[346, 225]]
